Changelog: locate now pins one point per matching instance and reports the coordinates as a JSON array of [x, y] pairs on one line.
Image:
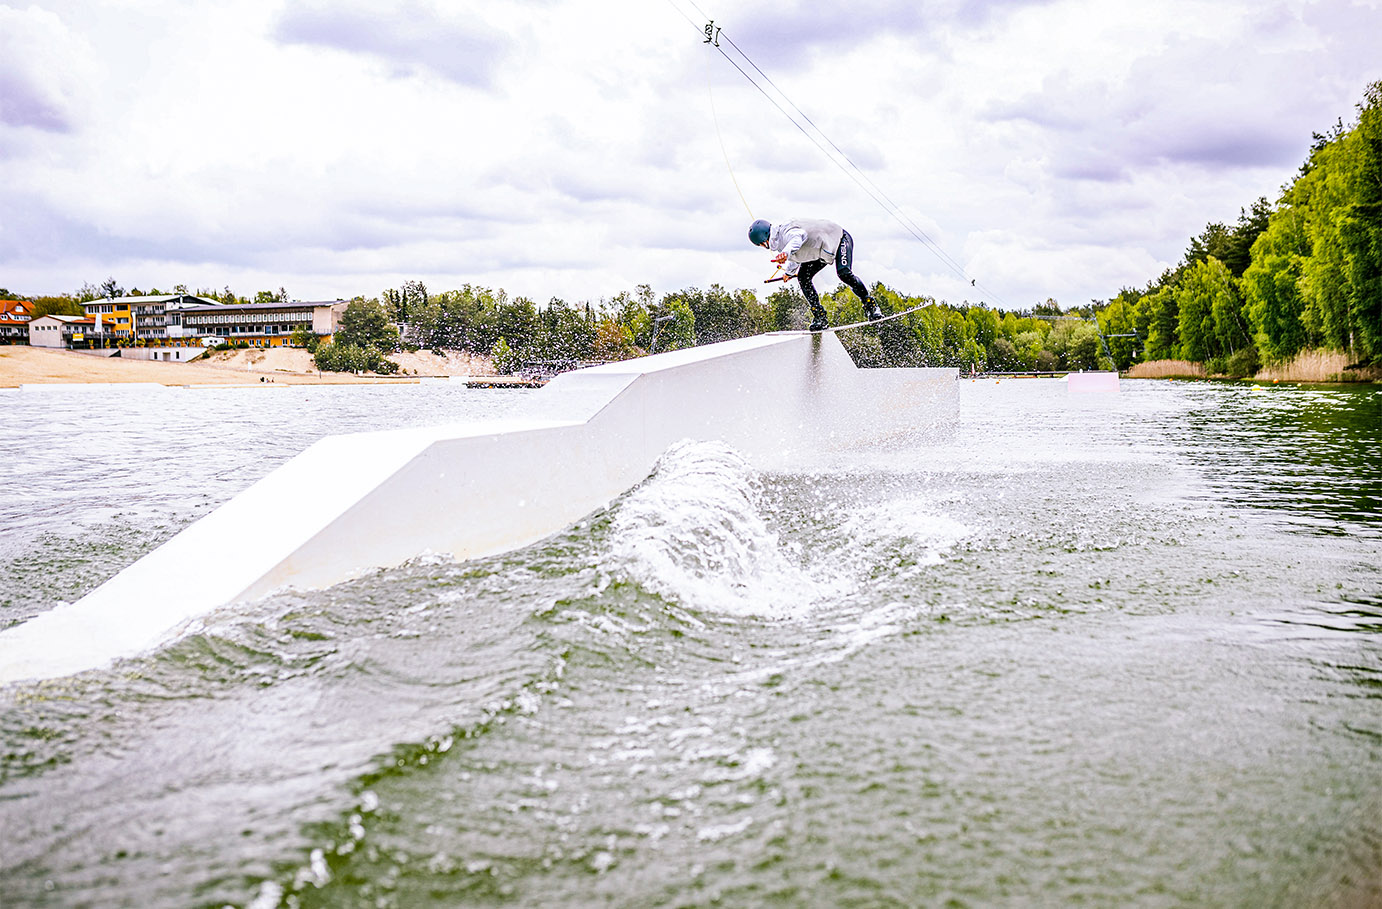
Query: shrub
[[335, 356], [505, 360]]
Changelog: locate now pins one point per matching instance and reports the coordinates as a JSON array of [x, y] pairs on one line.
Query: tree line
[[1302, 273], [519, 334]]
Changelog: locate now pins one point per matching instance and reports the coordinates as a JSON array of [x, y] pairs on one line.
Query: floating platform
[[1091, 382]]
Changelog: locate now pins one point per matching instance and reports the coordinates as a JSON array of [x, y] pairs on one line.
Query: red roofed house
[[14, 321]]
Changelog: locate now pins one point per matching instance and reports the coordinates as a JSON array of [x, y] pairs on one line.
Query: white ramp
[[352, 503], [1091, 382]]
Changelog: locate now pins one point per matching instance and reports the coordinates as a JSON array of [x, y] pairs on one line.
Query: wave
[[695, 533]]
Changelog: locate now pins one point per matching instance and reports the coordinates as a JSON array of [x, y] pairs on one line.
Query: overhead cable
[[712, 35]]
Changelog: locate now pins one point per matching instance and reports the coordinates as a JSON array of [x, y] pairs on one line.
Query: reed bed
[[1166, 369], [1318, 366]]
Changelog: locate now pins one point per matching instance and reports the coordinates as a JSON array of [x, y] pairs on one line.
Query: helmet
[[758, 232]]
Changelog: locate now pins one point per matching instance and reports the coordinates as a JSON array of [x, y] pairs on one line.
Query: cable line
[[713, 34], [724, 151]]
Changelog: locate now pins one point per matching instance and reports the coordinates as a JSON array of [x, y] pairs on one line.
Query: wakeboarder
[[804, 247]]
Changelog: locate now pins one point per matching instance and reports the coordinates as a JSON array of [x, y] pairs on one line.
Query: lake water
[[1102, 649]]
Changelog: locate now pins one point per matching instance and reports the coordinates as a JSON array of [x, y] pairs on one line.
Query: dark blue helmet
[[759, 231]]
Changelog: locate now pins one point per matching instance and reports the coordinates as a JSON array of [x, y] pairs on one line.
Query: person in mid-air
[[805, 246]]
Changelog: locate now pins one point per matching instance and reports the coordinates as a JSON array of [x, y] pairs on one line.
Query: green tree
[[721, 315], [1361, 227], [672, 326], [1215, 242], [109, 290], [504, 358], [1119, 317], [613, 341], [336, 356], [1084, 350], [1205, 286], [563, 333], [1002, 356], [788, 308], [365, 324], [403, 303], [1271, 285], [1237, 254], [516, 321], [305, 337], [1162, 323], [983, 325], [63, 305]]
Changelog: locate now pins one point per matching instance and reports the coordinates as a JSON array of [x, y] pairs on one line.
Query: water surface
[[1111, 649]]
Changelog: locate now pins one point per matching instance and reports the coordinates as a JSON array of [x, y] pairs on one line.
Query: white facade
[[326, 317], [59, 331], [155, 317]]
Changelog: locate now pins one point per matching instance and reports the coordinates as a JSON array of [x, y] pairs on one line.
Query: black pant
[[844, 261]]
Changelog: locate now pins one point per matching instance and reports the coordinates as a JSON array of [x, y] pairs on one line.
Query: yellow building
[[150, 321]]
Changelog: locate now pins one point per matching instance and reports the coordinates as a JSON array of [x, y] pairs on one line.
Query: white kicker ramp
[[1085, 382], [352, 503]]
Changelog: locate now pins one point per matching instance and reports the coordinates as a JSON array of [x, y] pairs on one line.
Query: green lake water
[[1101, 650]]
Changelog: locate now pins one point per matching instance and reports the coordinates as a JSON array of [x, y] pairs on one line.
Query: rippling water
[[1109, 649]]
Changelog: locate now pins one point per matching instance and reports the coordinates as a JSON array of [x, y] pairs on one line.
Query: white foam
[[717, 832], [694, 533], [928, 536]]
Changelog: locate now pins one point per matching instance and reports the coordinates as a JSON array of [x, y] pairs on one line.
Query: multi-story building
[[14, 321], [62, 332], [263, 324], [156, 320]]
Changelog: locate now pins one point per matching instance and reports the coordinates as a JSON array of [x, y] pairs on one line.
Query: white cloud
[[1060, 148], [44, 69], [407, 38]]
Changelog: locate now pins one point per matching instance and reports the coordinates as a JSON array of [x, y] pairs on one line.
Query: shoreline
[[22, 365]]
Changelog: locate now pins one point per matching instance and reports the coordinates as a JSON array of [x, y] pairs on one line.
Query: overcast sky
[[566, 148]]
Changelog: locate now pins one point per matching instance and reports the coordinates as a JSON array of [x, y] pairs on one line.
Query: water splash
[[695, 533]]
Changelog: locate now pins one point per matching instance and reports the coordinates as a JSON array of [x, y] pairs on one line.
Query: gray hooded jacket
[[805, 240]]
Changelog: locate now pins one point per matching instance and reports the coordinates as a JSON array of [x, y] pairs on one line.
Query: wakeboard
[[887, 318]]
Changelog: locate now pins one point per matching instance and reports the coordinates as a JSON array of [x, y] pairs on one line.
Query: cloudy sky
[[1047, 148]]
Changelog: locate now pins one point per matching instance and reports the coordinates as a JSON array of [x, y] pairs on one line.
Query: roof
[[259, 307], [158, 298], [70, 320], [16, 306]]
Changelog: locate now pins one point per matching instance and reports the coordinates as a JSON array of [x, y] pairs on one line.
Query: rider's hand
[[780, 258]]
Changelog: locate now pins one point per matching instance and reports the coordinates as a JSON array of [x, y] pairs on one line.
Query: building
[[62, 332], [14, 321], [262, 324], [156, 320]]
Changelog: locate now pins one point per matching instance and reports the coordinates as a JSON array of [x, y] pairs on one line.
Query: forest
[[517, 333], [1303, 273]]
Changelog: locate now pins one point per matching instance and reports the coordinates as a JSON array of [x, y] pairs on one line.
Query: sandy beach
[[23, 365]]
